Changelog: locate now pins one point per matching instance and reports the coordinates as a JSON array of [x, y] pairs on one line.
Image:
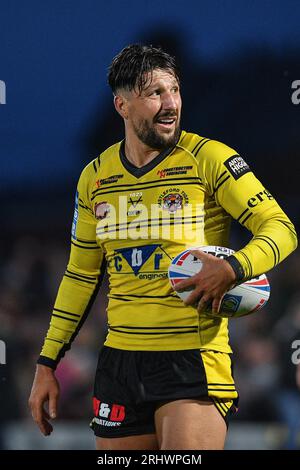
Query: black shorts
[[131, 385]]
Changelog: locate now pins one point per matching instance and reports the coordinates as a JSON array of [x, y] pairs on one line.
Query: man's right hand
[[45, 388]]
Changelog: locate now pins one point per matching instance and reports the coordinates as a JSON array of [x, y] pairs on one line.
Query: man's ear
[[121, 105]]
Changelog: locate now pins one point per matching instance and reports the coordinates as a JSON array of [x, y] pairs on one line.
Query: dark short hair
[[130, 68]]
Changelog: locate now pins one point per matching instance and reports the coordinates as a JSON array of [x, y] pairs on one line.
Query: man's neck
[[138, 153]]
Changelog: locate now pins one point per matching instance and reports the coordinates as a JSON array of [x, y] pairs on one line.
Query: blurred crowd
[[31, 269]]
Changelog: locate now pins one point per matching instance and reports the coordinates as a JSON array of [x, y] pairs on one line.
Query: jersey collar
[[138, 172]]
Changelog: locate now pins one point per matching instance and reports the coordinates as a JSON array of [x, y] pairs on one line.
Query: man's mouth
[[166, 122]]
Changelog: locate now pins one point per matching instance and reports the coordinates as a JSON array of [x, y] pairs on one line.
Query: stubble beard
[[155, 140]]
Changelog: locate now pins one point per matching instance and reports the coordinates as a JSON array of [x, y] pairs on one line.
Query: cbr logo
[[161, 173], [104, 410]]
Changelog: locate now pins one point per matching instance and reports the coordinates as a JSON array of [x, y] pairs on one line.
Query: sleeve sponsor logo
[[237, 166], [75, 217], [259, 197]]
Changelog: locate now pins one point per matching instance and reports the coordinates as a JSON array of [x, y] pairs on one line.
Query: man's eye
[[154, 93]]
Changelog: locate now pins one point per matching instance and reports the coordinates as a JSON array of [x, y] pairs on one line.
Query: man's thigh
[[190, 424], [141, 442]]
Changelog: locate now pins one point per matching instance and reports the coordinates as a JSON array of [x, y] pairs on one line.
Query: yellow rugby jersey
[[136, 220]]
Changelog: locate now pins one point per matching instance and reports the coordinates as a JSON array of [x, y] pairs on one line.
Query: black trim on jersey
[[163, 183], [275, 245], [221, 183], [65, 318], [146, 296], [86, 247], [221, 390], [138, 172], [223, 385], [93, 278], [160, 219], [170, 257], [198, 143], [117, 298], [54, 362], [154, 333], [46, 361], [287, 226], [68, 313], [92, 242], [199, 148], [85, 207], [67, 346], [248, 264], [155, 327], [241, 215], [129, 186], [55, 340], [222, 174], [267, 241], [102, 230], [95, 167], [79, 279], [237, 267], [246, 218]]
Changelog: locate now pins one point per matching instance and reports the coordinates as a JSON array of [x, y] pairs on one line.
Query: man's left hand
[[211, 283]]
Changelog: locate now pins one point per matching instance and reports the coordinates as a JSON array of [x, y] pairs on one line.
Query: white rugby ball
[[242, 300]]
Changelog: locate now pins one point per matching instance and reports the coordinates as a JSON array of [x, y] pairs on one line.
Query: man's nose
[[168, 101]]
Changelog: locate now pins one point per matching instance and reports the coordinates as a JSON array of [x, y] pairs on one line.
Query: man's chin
[[161, 139], [170, 137]]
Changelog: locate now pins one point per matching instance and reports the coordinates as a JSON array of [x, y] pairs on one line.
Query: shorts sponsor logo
[[107, 414], [236, 166]]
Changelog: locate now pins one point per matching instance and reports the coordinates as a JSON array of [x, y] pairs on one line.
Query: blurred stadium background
[[238, 62]]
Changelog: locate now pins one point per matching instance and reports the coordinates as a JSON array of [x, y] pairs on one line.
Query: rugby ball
[[242, 300]]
